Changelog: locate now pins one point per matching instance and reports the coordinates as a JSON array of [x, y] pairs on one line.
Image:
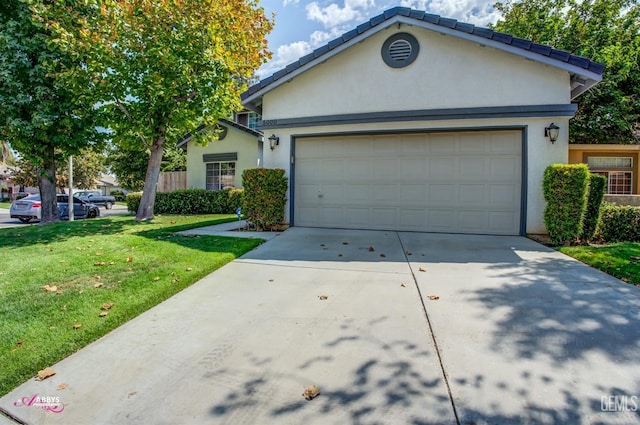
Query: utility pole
[[70, 187]]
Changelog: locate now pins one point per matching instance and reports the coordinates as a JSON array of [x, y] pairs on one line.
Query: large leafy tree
[[129, 164], [41, 117], [160, 68], [606, 31], [88, 165]]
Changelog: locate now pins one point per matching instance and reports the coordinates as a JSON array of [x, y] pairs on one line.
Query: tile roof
[[437, 20]]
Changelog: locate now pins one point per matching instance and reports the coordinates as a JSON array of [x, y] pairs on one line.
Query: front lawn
[[621, 260], [67, 284], [6, 205]]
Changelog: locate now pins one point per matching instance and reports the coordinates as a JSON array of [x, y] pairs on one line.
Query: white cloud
[[288, 2], [284, 56], [333, 15], [477, 12]]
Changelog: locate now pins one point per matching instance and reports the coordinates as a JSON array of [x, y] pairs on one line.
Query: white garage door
[[466, 182]]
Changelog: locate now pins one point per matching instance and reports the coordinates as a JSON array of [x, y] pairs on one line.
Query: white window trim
[[206, 178]]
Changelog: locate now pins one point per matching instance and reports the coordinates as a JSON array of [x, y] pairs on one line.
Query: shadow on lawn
[[105, 226]]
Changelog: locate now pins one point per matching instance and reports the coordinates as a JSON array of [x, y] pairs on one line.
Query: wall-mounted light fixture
[[273, 141], [552, 132]]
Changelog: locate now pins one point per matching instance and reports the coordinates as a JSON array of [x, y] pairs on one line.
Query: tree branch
[[186, 98]]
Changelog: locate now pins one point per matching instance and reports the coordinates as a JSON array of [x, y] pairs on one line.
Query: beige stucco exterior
[[579, 152], [247, 146], [448, 73]]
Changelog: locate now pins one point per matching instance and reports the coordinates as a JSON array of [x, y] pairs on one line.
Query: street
[[7, 221]]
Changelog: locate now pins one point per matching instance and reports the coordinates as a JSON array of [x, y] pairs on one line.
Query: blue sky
[[302, 26]]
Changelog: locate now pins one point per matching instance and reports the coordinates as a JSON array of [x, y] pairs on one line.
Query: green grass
[[92, 262], [621, 260], [6, 205]]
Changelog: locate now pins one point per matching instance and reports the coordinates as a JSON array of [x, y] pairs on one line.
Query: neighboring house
[[106, 184], [8, 186], [415, 122], [619, 163], [219, 164]]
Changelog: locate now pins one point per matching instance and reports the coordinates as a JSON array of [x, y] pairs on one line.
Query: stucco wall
[[246, 145], [448, 73], [577, 151]]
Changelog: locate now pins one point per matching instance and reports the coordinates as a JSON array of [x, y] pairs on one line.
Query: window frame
[[220, 183], [633, 170]]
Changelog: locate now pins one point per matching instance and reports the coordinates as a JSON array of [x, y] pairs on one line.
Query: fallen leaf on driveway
[[371, 248], [311, 392], [382, 255], [345, 243], [433, 297], [62, 386], [45, 373], [323, 297], [404, 285], [420, 269], [625, 280], [339, 255], [408, 252]]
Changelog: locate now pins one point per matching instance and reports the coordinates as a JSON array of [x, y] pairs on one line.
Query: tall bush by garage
[[565, 190], [265, 193], [597, 185], [619, 223], [192, 201]]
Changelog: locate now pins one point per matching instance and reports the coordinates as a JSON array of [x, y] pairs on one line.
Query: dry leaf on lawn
[[62, 386], [19, 343], [48, 288], [129, 259], [99, 263], [311, 392], [98, 284], [77, 326], [189, 269], [103, 313], [157, 278], [45, 373], [106, 306], [433, 297]]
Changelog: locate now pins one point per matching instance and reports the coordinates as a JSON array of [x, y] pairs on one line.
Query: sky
[[302, 26]]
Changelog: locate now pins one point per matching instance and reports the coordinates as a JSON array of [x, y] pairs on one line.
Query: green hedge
[[265, 196], [191, 201], [597, 186], [565, 190], [619, 223], [119, 195]]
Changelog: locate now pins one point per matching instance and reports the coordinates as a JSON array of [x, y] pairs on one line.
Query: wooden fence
[[173, 180]]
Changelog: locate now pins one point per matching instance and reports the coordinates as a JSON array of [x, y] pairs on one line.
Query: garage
[[453, 182]]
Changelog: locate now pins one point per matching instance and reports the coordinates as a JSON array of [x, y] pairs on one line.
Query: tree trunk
[[47, 186], [145, 210]]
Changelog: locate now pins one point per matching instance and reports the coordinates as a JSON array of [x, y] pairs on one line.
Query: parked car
[[95, 197], [29, 208]]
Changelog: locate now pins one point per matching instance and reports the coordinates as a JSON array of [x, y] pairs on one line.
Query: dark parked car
[[29, 208], [95, 197]]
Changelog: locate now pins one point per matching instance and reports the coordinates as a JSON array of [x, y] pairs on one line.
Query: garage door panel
[[468, 182]]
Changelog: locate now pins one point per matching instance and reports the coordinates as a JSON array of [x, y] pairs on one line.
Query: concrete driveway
[[518, 334]]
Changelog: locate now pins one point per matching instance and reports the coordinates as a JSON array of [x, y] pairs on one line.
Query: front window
[[221, 175], [617, 169]]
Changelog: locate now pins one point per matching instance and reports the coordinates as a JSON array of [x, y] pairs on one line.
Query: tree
[[40, 116], [6, 154], [88, 165], [160, 68], [606, 31], [129, 164]]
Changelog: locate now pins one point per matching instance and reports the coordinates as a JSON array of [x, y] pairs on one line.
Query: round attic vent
[[400, 50]]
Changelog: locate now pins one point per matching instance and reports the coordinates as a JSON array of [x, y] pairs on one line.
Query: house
[[106, 184], [415, 122], [219, 164], [619, 163]]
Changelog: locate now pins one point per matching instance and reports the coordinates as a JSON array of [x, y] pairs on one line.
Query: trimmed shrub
[[565, 190], [119, 195], [264, 196], [133, 201], [597, 185], [619, 223], [191, 201]]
